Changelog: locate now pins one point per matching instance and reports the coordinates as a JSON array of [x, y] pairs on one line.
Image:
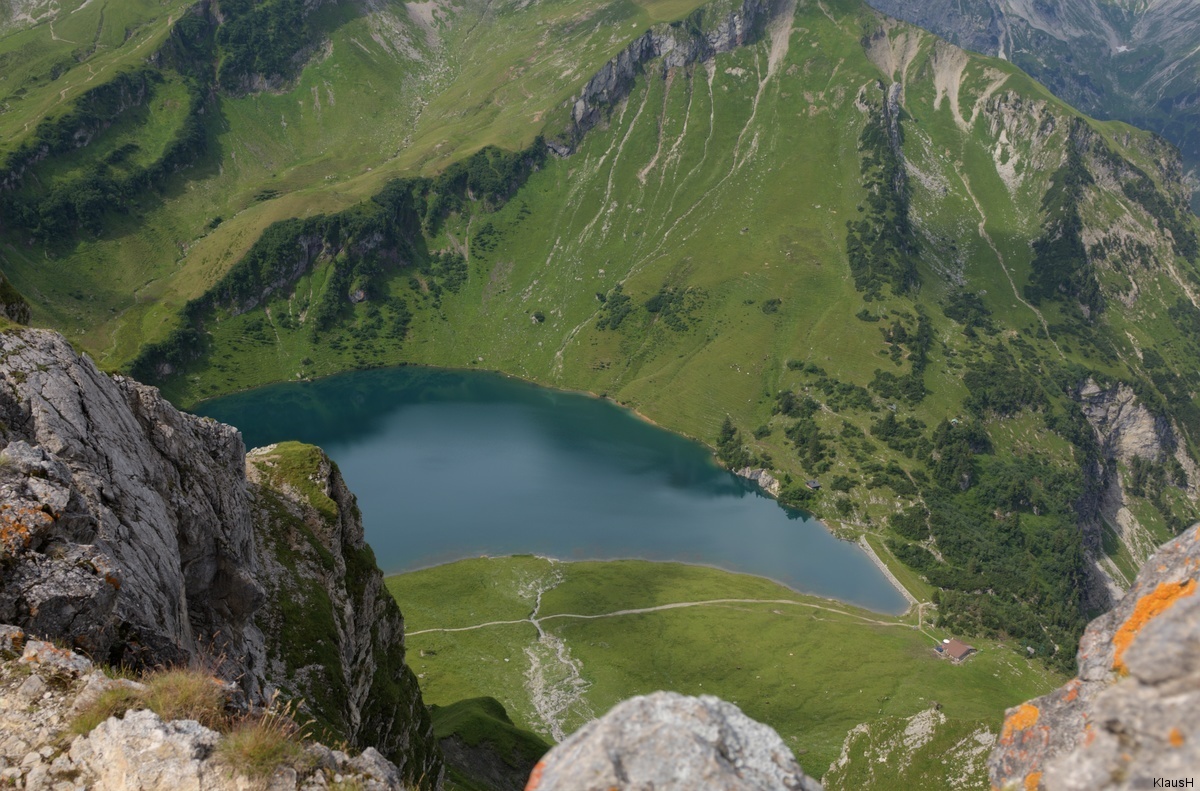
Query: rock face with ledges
[[678, 44], [1133, 713], [671, 742], [132, 532], [126, 523]]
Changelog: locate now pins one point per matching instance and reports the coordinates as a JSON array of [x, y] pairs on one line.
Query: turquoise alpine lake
[[455, 464]]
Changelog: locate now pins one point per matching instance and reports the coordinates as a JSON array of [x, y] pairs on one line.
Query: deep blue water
[[450, 464]]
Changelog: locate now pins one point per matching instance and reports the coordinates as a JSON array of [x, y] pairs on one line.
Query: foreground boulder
[[671, 742], [132, 532], [1133, 714]]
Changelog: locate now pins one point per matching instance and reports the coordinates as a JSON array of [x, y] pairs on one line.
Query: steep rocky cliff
[[334, 636], [12, 305], [131, 531], [1128, 434], [707, 32], [1133, 712]]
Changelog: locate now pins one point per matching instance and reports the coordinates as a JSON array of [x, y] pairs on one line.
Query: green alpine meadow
[[904, 287]]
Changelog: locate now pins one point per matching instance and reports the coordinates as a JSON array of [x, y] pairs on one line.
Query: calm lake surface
[[450, 464]]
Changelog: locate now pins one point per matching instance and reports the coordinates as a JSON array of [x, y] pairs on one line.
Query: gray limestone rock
[[374, 765], [1133, 713], [766, 481], [671, 742], [140, 752], [129, 519], [1126, 428], [137, 750], [677, 45], [131, 531], [31, 689], [49, 658]]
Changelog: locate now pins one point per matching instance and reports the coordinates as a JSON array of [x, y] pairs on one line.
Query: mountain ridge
[[1135, 61]]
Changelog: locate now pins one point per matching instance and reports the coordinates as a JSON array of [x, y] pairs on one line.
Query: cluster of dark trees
[[1060, 269], [675, 306], [117, 181], [731, 449], [617, 306], [363, 244], [262, 39], [838, 396], [111, 183], [909, 388], [1010, 554], [881, 244], [968, 309], [1007, 533]]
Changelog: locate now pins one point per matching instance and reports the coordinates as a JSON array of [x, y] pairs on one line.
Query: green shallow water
[[454, 464]]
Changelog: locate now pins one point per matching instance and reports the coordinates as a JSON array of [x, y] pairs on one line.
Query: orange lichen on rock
[[1072, 690], [1025, 717], [1147, 609], [17, 524], [1176, 738], [1033, 781], [535, 777]]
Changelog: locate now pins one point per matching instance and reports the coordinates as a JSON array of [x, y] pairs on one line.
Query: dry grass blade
[[261, 743]]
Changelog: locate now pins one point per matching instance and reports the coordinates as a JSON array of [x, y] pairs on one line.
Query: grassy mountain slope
[[1136, 61], [387, 89], [846, 252], [842, 250]]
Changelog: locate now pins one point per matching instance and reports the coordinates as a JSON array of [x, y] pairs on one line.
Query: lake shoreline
[[560, 473], [693, 564]]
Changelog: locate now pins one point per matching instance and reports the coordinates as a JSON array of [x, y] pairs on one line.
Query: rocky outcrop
[[130, 531], [1124, 426], [679, 44], [43, 691], [334, 636], [765, 480], [671, 742], [1081, 49], [124, 524], [1125, 430], [1133, 713]]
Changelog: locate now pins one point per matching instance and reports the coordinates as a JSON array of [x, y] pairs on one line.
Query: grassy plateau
[[558, 643]]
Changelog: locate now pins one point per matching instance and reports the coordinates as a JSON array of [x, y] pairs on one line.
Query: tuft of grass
[[254, 745], [175, 694], [347, 785], [298, 465], [260, 744], [183, 694], [111, 703]]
